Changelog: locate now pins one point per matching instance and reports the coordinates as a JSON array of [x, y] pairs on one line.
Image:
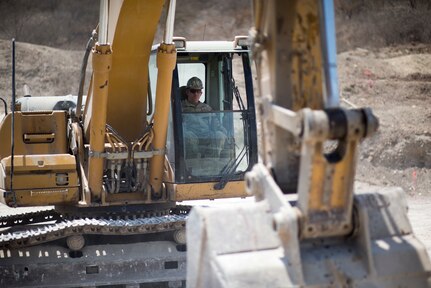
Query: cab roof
[[239, 44]]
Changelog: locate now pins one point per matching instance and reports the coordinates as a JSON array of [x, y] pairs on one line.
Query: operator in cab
[[193, 92], [203, 137]]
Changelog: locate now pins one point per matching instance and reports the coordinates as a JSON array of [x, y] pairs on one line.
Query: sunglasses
[[196, 91]]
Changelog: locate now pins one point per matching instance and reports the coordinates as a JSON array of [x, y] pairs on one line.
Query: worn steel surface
[[93, 266], [24, 236], [257, 245], [124, 249]]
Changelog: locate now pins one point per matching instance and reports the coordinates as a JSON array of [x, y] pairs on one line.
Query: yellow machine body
[[81, 161], [44, 172], [133, 36]]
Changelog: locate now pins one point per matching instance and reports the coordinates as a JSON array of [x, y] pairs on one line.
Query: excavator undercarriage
[[123, 248]]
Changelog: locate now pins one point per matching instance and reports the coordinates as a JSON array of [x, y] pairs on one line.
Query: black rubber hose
[[83, 70], [13, 124], [5, 105]]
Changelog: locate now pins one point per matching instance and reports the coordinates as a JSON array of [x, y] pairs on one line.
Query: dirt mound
[[67, 24], [394, 82], [47, 71], [62, 24], [409, 152], [380, 23], [360, 23]]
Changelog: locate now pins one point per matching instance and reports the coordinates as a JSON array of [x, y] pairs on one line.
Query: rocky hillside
[[66, 24]]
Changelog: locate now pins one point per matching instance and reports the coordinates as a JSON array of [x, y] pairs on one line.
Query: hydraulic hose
[[83, 70]]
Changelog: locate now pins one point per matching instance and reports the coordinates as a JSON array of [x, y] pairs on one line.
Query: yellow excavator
[[114, 166], [115, 162], [328, 234]]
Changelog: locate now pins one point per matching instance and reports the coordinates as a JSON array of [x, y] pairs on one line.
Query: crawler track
[[24, 231]]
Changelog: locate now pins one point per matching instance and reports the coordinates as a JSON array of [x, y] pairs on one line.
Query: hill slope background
[[384, 62]]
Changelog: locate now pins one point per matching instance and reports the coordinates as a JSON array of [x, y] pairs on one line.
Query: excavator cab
[[217, 145]]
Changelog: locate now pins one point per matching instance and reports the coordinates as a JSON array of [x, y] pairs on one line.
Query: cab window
[[189, 70]]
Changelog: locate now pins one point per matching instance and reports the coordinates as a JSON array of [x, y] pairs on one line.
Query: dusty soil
[[68, 24], [395, 83], [380, 23], [47, 70]]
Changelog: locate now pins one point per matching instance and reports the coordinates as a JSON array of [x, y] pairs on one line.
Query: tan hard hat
[[195, 83]]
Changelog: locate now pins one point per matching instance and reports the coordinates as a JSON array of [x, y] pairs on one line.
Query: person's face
[[193, 95]]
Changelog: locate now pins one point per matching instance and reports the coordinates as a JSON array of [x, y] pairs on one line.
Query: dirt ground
[[384, 62], [395, 83]]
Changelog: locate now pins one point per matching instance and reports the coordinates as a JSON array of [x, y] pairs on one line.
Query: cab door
[[213, 149]]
